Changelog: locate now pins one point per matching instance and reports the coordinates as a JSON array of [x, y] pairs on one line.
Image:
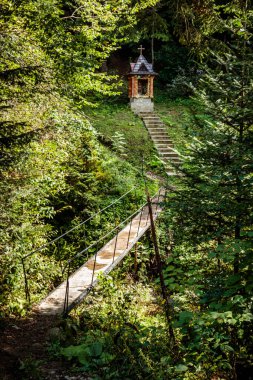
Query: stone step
[[153, 123], [158, 140], [162, 142], [156, 124], [165, 142], [147, 117], [158, 135], [169, 156], [150, 122], [167, 145], [158, 129], [150, 119], [157, 132], [171, 159], [169, 165], [144, 115], [168, 149], [163, 139]]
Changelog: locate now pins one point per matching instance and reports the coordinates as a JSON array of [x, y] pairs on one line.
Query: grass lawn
[[125, 133]]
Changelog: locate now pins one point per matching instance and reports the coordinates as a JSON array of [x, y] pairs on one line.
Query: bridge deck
[[81, 281]]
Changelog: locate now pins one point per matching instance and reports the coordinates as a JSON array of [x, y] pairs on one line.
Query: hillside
[[75, 162]]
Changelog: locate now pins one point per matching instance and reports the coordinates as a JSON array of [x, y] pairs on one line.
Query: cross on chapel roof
[[141, 48], [141, 66]]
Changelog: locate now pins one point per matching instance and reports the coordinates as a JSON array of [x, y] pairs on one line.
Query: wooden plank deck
[[107, 258]]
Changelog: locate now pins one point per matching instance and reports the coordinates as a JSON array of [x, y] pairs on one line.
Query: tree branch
[[73, 14]]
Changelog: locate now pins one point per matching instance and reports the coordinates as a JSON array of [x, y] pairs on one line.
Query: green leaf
[[181, 368], [96, 349]]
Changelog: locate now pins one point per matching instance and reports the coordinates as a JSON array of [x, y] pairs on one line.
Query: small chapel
[[141, 85]]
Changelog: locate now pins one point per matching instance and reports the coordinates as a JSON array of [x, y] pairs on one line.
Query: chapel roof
[[141, 66]]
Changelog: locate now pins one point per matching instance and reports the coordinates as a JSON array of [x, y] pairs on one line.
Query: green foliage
[[211, 211], [211, 315], [120, 331], [123, 334], [217, 157], [90, 354], [181, 85], [119, 144], [29, 369], [175, 68]]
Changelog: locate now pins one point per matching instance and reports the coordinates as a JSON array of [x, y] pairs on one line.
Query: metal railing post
[[85, 242], [115, 246], [66, 300], [138, 229], [158, 199], [59, 257], [27, 290], [94, 265], [129, 233], [147, 216]]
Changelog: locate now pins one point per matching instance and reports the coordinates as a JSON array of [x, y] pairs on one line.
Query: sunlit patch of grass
[[111, 120]]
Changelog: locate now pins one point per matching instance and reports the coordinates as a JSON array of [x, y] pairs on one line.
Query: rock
[[55, 333], [16, 327], [37, 345]]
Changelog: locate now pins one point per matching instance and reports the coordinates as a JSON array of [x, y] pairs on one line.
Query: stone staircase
[[162, 142]]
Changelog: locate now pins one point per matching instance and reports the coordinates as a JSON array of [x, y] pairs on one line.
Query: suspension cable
[[77, 226]]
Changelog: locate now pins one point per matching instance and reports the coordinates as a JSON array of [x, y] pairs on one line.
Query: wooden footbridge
[[78, 284]]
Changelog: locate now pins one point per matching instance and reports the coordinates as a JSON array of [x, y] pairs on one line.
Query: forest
[[179, 306]]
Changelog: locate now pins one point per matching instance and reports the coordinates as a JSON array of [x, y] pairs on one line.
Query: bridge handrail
[[96, 243], [107, 234], [117, 229], [75, 227]]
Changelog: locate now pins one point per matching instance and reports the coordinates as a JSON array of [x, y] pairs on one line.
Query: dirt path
[[23, 340], [24, 343]]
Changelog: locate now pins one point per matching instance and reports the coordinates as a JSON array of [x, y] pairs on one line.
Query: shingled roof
[[142, 67]]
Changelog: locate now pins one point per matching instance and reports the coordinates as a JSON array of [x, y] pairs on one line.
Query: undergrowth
[[122, 330]]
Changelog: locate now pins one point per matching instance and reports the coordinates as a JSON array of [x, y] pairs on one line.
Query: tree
[[218, 168], [212, 208]]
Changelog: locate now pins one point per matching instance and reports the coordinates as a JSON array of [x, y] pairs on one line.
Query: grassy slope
[[117, 122]]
